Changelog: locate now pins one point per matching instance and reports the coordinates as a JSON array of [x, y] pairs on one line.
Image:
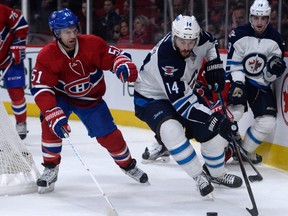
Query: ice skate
[[254, 158], [156, 153], [203, 183], [228, 180], [134, 172], [46, 182], [21, 129]]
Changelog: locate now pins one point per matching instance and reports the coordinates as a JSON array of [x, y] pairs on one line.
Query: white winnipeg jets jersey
[[166, 75], [248, 55]]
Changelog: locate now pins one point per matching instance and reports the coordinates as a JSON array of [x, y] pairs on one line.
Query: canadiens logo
[[169, 70], [79, 88], [284, 99], [254, 64]]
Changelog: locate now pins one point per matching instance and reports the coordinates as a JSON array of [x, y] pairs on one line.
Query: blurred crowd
[[149, 20]]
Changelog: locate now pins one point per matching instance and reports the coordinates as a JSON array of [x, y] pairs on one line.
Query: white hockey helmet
[[185, 27], [260, 8]]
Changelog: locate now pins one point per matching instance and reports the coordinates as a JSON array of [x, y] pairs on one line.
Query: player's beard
[[184, 53]]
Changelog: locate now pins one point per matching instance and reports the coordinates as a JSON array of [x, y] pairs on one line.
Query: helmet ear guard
[[62, 19]]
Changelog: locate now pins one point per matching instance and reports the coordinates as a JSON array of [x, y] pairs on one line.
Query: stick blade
[[255, 178], [253, 211]]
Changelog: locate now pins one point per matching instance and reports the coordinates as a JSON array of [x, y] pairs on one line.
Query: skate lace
[[49, 174], [136, 172], [154, 148], [21, 128], [226, 179], [201, 181]]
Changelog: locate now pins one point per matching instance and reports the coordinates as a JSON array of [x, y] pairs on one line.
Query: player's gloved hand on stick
[[125, 69], [276, 66], [223, 126], [56, 120], [237, 93], [17, 50], [215, 75]]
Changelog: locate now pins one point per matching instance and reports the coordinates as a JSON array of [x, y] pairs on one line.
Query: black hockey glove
[[223, 126], [215, 75], [237, 93], [276, 66]]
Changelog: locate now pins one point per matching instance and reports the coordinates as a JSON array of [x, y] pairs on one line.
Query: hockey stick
[[254, 210], [6, 69], [252, 178], [114, 212]]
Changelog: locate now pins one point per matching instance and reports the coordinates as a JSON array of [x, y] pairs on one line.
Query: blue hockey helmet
[[62, 19]]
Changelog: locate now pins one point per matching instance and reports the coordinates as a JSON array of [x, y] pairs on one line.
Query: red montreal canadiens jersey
[[12, 25], [79, 79]]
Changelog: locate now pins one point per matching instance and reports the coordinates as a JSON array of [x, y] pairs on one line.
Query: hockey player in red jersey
[[13, 34], [68, 77]]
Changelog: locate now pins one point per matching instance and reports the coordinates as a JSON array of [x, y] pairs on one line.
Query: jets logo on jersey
[[169, 70], [79, 88], [254, 64]]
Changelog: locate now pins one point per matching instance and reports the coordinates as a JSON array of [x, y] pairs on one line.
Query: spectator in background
[[141, 34], [274, 19], [179, 7], [39, 23], [125, 10], [109, 20], [82, 15], [124, 37], [238, 16]]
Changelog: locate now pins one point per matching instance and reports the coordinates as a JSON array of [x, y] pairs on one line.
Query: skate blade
[[158, 160], [48, 189], [210, 196]]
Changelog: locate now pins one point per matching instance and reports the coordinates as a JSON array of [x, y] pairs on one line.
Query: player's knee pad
[[256, 134], [16, 94], [265, 124], [113, 142], [172, 133], [237, 111]]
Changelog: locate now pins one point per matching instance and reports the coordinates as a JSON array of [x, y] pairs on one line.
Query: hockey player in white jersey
[[165, 99], [254, 62]]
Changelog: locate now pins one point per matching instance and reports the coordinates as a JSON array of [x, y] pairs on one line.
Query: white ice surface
[[172, 191]]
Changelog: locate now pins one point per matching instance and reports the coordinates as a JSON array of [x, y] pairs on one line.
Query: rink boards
[[119, 98]]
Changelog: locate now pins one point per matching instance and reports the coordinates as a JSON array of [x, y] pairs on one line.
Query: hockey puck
[[212, 214]]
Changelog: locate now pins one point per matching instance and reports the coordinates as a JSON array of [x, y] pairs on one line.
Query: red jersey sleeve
[[44, 78]]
